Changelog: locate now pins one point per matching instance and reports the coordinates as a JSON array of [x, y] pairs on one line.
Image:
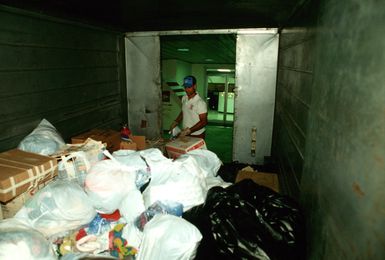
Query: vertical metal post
[[225, 100]]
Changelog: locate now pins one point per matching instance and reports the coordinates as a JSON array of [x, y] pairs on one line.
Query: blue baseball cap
[[189, 81]]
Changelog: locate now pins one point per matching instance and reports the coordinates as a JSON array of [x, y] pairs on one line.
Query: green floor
[[219, 139]]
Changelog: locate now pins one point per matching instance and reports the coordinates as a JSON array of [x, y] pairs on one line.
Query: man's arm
[[202, 123]]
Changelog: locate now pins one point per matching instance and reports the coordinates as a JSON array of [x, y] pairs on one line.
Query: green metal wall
[[330, 127], [293, 100], [68, 73]]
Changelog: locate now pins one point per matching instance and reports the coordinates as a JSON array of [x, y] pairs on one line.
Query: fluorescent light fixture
[[209, 60], [183, 49], [224, 70]]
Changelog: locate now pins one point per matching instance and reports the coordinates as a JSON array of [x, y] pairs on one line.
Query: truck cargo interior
[[293, 86]]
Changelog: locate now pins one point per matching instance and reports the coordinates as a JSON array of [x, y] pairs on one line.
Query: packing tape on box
[[32, 179], [41, 175], [13, 184]]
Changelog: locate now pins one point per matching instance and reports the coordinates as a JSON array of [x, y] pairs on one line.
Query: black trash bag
[[281, 213], [229, 171], [248, 221]]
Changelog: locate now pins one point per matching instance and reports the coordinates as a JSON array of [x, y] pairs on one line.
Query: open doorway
[[220, 96], [205, 56], [256, 71]]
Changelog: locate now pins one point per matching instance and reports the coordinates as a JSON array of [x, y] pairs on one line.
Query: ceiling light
[[183, 49], [224, 70], [209, 60]]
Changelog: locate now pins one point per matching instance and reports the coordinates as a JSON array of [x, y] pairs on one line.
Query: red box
[[183, 145]]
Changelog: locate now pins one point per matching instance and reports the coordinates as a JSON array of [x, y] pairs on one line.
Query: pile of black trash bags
[[248, 221]]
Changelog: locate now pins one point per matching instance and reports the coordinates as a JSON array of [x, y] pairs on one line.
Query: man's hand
[[185, 132], [173, 125]]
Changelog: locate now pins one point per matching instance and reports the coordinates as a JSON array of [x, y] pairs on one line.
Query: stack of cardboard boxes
[[21, 175], [112, 139]]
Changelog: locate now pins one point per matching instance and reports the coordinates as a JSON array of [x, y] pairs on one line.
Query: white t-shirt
[[191, 109]]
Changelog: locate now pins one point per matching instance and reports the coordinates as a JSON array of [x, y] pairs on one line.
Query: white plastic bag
[[129, 158], [18, 241], [210, 164], [207, 160], [74, 167], [169, 237], [136, 162], [160, 166], [184, 182], [107, 183], [57, 208], [44, 139], [132, 234], [216, 181], [132, 205]]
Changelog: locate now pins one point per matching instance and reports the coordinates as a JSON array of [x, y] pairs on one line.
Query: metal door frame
[[226, 75], [245, 70]]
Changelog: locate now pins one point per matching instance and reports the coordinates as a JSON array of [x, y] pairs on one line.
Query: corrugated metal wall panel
[[68, 73], [337, 108], [294, 88], [343, 174]]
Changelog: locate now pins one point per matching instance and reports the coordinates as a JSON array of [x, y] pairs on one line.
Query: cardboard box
[[108, 136], [126, 145], [262, 178], [140, 141], [22, 171], [91, 147], [183, 145], [9, 209]]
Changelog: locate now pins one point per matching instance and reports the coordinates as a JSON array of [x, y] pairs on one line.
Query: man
[[194, 111]]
